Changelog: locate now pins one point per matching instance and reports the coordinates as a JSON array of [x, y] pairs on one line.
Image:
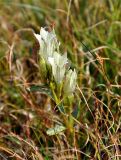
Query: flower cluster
[[49, 51]]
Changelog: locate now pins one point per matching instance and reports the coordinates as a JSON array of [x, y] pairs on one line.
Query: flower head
[[58, 63], [49, 51], [48, 43], [70, 82]]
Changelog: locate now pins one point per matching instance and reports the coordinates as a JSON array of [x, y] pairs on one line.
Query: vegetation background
[[90, 32]]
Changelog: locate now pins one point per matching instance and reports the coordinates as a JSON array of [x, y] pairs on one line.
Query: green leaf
[[13, 139], [76, 112], [61, 108], [42, 89]]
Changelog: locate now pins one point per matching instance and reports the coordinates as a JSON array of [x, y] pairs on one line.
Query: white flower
[[48, 43], [70, 82], [58, 64]]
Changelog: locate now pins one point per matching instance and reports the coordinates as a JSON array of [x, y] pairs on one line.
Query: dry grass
[[90, 33]]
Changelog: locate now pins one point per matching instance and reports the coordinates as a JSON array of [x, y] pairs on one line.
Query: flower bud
[[70, 82]]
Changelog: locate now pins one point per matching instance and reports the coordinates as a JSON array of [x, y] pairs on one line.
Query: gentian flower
[[48, 43], [58, 63]]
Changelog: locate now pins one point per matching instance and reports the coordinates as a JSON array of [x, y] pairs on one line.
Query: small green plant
[[55, 70]]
